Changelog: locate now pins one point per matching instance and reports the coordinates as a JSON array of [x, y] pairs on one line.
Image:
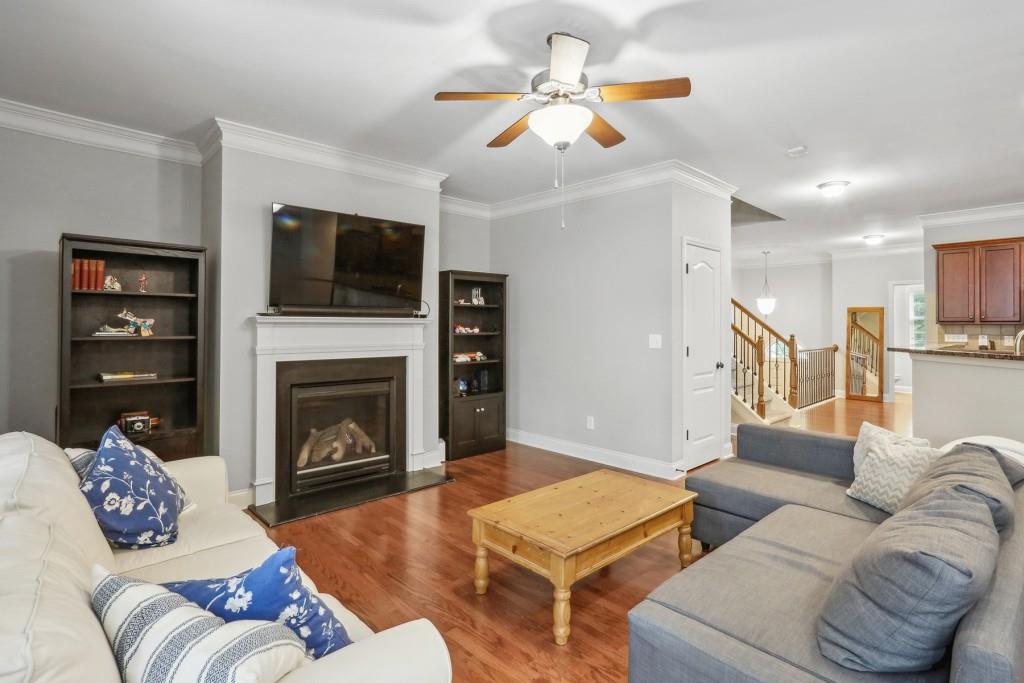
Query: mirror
[[865, 353]]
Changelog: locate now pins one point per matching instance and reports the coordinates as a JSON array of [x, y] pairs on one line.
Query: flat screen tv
[[337, 263]]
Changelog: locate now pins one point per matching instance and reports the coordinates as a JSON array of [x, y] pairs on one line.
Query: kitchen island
[[961, 391]]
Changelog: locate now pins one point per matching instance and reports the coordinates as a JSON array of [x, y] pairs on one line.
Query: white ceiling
[[918, 103]]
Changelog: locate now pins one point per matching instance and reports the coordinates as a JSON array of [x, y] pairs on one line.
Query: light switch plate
[[953, 338], [982, 340], [654, 341], [590, 421]]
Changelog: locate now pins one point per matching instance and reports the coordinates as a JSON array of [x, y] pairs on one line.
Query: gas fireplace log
[[334, 442]]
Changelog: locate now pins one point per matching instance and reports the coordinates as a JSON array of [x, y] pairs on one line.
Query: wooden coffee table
[[571, 529]]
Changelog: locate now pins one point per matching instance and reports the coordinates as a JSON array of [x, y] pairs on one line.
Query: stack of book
[[126, 376], [87, 273]]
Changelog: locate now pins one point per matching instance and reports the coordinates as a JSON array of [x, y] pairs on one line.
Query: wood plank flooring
[[843, 416], [412, 556]]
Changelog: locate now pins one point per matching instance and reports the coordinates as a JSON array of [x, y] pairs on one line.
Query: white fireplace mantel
[[296, 338]]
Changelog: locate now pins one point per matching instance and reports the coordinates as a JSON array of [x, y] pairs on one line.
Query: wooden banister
[[744, 336], [771, 330], [761, 410]]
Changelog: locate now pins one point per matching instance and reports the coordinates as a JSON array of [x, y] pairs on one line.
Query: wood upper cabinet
[[957, 284], [1000, 284], [980, 282]]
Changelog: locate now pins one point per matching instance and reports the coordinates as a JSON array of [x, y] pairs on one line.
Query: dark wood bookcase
[[472, 421], [176, 299]]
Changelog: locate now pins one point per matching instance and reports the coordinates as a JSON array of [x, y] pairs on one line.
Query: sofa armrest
[[413, 651], [205, 478], [797, 449]]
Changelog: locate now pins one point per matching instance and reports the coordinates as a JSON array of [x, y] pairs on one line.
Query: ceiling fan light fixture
[[560, 125], [833, 188]]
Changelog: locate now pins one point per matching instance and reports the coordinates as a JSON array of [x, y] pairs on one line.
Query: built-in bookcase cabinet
[[175, 299], [472, 392]]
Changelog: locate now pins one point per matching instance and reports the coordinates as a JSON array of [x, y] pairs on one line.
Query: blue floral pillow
[[273, 591], [136, 502]]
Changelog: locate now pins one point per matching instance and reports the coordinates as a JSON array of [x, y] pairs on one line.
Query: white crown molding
[[672, 171], [983, 214], [60, 126], [231, 135], [881, 250], [464, 207]]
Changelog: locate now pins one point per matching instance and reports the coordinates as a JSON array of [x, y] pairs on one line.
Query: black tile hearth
[[355, 493]]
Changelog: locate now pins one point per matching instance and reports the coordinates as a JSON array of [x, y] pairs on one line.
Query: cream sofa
[[49, 541]]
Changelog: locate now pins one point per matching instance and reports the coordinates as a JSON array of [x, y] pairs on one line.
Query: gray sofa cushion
[[897, 605], [989, 644], [755, 490], [973, 469], [763, 590], [797, 449]]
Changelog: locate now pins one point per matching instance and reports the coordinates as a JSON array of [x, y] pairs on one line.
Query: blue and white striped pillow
[[160, 637]]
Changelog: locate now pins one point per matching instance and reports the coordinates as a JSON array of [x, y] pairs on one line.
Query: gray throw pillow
[[1012, 468], [895, 608], [973, 468]]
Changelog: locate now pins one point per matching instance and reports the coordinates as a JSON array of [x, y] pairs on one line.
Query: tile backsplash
[[994, 332]]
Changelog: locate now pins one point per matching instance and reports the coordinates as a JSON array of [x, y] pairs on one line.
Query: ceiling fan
[[561, 120]]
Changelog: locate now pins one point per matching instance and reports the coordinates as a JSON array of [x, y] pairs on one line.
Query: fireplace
[[340, 423]]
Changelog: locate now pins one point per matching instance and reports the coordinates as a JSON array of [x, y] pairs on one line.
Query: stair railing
[[748, 367], [816, 375], [863, 342], [780, 352]]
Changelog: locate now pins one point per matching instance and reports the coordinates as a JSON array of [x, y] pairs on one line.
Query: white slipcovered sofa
[[49, 541]]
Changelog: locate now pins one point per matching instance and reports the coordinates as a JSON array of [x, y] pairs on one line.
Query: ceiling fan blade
[[451, 96], [568, 54], [511, 133], [645, 90], [602, 131]]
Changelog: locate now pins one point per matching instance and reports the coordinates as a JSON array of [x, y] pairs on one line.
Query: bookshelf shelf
[[176, 352]]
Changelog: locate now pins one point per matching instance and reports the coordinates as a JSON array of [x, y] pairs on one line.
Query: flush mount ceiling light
[[560, 123], [766, 302], [833, 188], [873, 240]]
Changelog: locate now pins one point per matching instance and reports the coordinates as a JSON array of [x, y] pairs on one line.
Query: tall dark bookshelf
[[472, 420], [175, 298]]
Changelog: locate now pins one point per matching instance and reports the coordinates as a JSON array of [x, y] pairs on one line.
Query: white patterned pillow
[[887, 468], [871, 437], [159, 636]]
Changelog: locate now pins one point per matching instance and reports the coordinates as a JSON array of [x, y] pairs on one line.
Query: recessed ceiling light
[[833, 188], [798, 151], [873, 240]]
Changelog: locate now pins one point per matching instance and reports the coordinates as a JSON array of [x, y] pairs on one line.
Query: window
[[916, 306]]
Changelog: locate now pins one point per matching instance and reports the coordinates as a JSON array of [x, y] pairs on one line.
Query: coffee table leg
[[481, 571], [685, 546], [562, 612]]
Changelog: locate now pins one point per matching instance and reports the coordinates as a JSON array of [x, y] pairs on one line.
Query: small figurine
[[143, 282], [462, 386], [111, 284], [144, 325]]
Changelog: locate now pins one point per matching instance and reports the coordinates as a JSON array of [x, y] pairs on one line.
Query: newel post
[[794, 396], [761, 376]]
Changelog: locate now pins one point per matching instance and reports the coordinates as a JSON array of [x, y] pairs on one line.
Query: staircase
[[865, 354], [772, 377]]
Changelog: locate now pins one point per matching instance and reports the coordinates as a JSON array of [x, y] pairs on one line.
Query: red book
[[90, 273], [101, 267], [76, 273]]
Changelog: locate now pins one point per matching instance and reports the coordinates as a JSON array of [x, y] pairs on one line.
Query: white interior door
[[703, 399]]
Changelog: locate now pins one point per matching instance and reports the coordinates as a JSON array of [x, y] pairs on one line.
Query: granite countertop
[[958, 350]]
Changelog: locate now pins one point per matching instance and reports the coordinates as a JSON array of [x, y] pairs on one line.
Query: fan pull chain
[[562, 155], [556, 168]]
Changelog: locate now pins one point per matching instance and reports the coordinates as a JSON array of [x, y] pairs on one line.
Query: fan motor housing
[[543, 85]]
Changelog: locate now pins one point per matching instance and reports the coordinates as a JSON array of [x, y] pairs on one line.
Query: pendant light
[[766, 302]]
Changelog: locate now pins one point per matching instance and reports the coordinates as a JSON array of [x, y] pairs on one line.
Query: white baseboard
[[840, 393], [904, 390], [605, 456], [242, 498]]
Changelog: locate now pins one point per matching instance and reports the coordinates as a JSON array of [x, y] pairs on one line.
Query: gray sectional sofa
[[784, 529]]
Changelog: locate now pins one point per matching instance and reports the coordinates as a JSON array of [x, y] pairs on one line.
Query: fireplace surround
[[285, 339]]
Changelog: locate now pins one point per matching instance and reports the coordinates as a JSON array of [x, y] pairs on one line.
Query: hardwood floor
[[412, 556], [843, 416]]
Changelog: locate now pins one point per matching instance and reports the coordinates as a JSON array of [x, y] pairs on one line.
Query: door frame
[[890, 381], [689, 242]]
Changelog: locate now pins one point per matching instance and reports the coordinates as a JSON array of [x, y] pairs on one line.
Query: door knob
[[719, 365]]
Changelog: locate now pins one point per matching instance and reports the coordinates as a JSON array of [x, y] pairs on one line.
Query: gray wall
[[865, 282], [581, 304], [48, 187], [804, 294], [249, 184], [465, 243]]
